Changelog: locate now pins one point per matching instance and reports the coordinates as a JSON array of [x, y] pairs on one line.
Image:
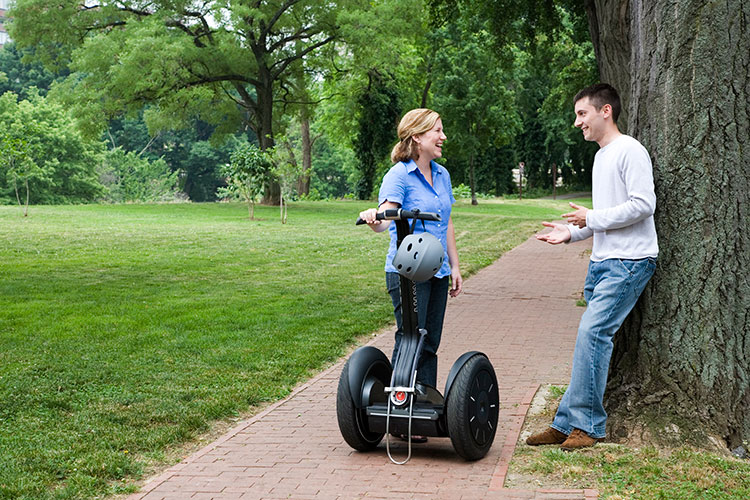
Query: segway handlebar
[[400, 214]]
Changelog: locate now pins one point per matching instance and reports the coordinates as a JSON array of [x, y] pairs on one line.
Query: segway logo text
[[414, 296]]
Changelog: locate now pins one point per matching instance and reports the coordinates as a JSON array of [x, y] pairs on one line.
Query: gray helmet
[[419, 257]]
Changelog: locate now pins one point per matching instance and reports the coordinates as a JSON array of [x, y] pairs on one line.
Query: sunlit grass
[[129, 329]]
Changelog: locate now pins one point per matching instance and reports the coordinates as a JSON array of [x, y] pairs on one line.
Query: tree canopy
[[61, 163], [225, 62], [162, 78]]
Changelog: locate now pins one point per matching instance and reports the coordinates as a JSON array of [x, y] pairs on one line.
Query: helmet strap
[[414, 221]]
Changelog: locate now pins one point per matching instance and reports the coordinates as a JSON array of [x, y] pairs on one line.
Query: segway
[[376, 399]]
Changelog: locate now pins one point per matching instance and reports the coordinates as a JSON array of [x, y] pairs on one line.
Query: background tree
[[64, 163], [546, 56], [224, 62], [188, 152], [333, 170], [378, 117], [246, 175], [16, 162], [128, 177], [191, 152], [21, 73], [551, 68], [286, 170], [380, 76], [683, 357], [472, 91]]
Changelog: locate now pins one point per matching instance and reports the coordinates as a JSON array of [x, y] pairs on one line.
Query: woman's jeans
[[432, 297], [612, 289]]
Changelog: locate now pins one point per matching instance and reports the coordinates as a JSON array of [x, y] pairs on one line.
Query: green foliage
[[20, 76], [332, 169], [131, 178], [473, 94], [227, 63], [383, 73], [246, 174], [544, 57], [64, 163], [552, 70], [15, 161], [463, 192], [515, 21], [500, 72], [376, 133], [187, 151], [286, 171]]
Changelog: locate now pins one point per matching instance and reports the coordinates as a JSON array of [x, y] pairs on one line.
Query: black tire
[[472, 408], [353, 420]]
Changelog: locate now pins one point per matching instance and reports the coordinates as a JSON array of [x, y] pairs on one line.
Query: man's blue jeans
[[432, 298], [612, 289]]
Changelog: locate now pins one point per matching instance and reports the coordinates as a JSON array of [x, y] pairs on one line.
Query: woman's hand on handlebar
[[369, 216]]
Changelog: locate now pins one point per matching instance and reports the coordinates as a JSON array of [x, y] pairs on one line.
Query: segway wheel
[[472, 408], [353, 420]]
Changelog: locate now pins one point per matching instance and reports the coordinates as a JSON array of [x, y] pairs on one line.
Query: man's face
[[589, 120]]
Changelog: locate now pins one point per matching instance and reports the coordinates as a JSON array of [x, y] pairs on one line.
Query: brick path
[[520, 311]]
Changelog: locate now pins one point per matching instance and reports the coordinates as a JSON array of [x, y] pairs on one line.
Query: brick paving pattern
[[520, 311]]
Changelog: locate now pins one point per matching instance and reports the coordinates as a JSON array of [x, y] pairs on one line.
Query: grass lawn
[[623, 472], [129, 330]]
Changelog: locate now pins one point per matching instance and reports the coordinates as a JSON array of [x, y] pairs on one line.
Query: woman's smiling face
[[431, 142]]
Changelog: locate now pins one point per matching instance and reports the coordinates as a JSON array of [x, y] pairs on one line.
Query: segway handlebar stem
[[401, 214]]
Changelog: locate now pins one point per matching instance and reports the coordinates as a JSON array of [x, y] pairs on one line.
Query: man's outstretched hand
[[559, 234], [577, 218]]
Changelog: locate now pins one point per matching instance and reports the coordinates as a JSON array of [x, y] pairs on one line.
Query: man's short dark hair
[[599, 95]]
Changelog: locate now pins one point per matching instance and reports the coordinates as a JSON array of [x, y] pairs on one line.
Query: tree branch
[[267, 29], [287, 61], [299, 35], [149, 143], [229, 77], [182, 27]]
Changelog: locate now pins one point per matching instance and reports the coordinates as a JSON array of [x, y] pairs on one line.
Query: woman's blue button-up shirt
[[404, 184]]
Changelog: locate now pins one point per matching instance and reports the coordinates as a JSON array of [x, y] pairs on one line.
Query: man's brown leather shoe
[[549, 436], [577, 440]]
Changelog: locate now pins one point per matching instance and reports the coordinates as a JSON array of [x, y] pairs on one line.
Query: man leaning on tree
[[623, 259]]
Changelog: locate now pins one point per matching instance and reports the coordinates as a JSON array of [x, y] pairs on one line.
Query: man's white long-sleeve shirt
[[622, 218]]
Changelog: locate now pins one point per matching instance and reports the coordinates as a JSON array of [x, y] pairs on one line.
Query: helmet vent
[[415, 255], [408, 248]]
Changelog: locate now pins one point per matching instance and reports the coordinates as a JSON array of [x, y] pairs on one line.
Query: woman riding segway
[[417, 182], [377, 397]]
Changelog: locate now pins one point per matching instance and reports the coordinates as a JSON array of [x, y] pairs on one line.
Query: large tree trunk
[[272, 193], [681, 366]]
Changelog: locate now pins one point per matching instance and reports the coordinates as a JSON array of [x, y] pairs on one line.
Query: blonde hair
[[415, 122]]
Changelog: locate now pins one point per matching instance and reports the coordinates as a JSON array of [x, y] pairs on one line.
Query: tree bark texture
[[681, 365], [263, 126]]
